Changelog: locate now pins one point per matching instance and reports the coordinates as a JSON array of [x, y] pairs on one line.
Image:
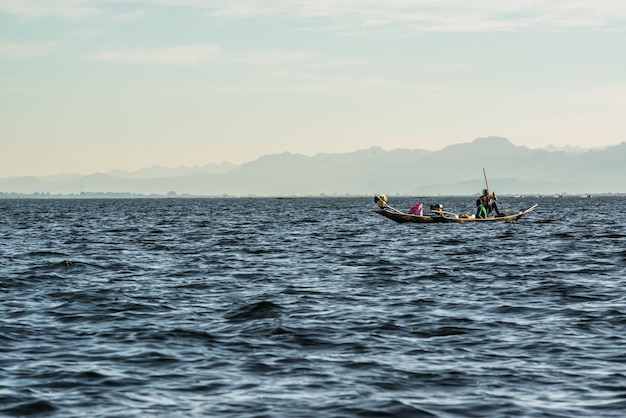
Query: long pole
[[486, 182]]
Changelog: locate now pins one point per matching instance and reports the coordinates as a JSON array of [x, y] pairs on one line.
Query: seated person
[[481, 212], [416, 209]]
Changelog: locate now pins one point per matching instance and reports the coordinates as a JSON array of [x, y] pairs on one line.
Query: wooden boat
[[507, 216], [442, 216], [402, 217]]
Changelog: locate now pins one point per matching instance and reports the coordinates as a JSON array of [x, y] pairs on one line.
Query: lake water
[[310, 308]]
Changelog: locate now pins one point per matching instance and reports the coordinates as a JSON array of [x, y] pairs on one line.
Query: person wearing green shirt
[[488, 201]]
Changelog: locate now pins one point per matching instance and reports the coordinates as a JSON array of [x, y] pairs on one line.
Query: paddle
[[486, 182]]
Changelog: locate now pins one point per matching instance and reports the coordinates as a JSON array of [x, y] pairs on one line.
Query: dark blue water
[[310, 308]]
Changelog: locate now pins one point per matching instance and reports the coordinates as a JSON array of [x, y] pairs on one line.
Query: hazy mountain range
[[454, 170]]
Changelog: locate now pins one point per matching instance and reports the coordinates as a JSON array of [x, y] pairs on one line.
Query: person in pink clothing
[[416, 209]]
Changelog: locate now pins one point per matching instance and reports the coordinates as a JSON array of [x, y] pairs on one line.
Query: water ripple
[[309, 307]]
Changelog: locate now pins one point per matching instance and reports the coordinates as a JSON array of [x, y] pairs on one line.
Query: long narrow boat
[[402, 217], [442, 216], [508, 216]]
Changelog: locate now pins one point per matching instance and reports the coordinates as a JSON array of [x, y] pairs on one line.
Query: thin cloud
[[25, 50], [33, 9], [335, 82], [130, 16], [294, 58], [429, 15], [273, 58], [304, 68], [182, 55], [367, 15]]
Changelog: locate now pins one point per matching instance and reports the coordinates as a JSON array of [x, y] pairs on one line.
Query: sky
[[92, 86]]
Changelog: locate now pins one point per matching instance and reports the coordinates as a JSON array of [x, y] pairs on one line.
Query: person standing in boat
[[488, 201]]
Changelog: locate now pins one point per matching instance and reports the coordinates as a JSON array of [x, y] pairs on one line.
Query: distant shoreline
[[113, 195]]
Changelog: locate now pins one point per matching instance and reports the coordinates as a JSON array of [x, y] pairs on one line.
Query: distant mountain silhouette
[[454, 170], [159, 171]]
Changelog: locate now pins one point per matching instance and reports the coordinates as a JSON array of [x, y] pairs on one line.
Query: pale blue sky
[[90, 86]]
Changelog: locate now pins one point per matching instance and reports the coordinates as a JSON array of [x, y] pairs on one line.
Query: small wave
[[259, 310], [30, 408]]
